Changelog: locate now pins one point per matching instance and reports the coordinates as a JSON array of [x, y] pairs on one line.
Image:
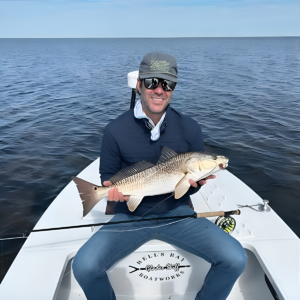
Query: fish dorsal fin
[[131, 170], [166, 153]]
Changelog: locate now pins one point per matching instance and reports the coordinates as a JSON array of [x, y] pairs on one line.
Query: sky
[[148, 18]]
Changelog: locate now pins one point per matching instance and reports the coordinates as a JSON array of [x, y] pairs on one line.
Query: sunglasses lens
[[168, 85], [152, 84]]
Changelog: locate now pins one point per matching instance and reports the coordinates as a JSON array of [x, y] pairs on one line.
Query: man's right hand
[[114, 194]]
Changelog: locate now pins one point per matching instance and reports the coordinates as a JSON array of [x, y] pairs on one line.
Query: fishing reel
[[226, 223]]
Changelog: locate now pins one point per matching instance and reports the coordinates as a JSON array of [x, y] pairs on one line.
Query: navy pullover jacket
[[126, 141]]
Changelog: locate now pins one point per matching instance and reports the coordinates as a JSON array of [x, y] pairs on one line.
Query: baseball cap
[[161, 65]]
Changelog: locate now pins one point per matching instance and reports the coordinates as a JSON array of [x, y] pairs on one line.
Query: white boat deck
[[42, 269]]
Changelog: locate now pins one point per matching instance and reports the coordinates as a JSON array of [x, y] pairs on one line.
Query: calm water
[[57, 95]]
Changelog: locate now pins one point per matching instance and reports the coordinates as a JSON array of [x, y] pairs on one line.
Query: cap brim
[[159, 75]]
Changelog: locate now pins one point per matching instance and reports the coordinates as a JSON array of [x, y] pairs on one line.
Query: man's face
[[154, 101]]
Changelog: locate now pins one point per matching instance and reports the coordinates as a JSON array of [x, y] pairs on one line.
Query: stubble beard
[[146, 106]]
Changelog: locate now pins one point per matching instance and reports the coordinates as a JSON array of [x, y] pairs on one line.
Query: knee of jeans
[[235, 260], [240, 261], [87, 268]]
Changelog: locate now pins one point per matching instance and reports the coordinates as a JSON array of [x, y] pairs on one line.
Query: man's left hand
[[201, 182]]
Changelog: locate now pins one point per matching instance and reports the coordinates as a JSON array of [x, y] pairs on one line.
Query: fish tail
[[90, 194]]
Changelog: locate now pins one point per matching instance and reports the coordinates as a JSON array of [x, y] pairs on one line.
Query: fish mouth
[[224, 166], [222, 161]]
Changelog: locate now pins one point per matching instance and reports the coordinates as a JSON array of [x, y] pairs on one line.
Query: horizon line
[[175, 37]]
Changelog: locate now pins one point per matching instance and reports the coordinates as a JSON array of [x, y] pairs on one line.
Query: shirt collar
[[155, 129]]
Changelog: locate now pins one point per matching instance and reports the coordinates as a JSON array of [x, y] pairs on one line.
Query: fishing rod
[[195, 216]]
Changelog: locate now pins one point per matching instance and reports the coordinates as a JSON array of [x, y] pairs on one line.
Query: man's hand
[[114, 194], [201, 182]]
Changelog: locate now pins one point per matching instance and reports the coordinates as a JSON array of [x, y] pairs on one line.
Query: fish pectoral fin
[[182, 186], [134, 202]]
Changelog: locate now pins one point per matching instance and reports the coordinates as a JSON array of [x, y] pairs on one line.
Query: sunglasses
[[152, 84]]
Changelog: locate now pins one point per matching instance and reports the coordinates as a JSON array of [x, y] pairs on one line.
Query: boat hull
[[42, 269]]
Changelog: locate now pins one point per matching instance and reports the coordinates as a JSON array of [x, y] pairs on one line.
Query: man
[[138, 135]]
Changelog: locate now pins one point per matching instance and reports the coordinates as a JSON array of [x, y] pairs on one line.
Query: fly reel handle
[[218, 213]]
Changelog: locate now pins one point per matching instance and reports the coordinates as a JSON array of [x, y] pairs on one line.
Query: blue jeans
[[198, 236]]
